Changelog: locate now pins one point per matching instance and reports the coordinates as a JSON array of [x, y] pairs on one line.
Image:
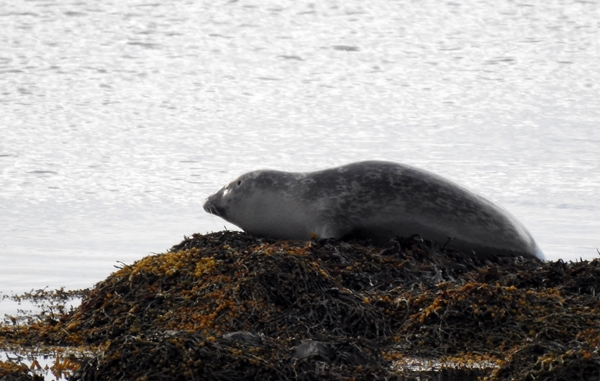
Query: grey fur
[[374, 200]]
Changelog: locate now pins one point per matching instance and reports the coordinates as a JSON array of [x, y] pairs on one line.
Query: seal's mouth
[[212, 209]]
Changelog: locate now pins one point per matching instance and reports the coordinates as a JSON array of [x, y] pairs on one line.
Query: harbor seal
[[374, 200]]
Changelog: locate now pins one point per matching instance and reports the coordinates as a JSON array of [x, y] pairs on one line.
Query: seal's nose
[[212, 208], [206, 205]]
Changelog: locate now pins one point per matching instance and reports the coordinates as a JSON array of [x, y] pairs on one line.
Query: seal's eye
[[239, 182]]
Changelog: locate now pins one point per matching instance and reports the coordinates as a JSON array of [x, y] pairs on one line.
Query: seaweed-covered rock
[[231, 306], [549, 361], [13, 371]]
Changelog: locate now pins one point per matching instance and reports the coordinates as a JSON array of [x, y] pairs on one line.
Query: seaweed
[[228, 306], [17, 371]]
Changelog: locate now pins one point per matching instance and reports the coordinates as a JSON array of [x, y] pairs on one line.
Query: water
[[118, 118]]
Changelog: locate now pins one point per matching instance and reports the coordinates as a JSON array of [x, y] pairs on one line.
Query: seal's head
[[261, 203], [226, 201]]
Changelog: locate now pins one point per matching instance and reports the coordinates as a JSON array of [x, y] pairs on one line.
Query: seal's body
[[373, 200]]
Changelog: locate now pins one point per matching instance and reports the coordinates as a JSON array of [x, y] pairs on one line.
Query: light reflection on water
[[118, 118]]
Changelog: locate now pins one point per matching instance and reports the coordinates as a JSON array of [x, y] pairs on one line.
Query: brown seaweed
[[227, 306]]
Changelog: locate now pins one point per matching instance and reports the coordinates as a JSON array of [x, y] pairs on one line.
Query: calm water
[[118, 118]]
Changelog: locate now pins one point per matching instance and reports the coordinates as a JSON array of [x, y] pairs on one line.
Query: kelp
[[227, 306]]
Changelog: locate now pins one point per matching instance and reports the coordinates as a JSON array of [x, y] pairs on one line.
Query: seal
[[374, 200]]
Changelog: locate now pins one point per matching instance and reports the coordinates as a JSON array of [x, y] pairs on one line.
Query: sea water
[[118, 118]]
